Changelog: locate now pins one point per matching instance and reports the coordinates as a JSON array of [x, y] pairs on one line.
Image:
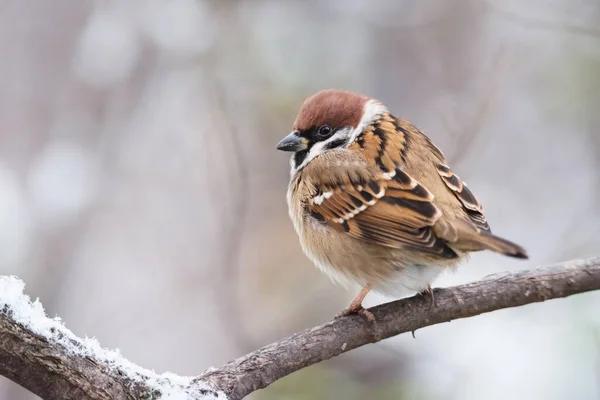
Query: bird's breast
[[351, 261]]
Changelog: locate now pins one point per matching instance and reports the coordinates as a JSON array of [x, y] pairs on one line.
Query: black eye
[[325, 131]]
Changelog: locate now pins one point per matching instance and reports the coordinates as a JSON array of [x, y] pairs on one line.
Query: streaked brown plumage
[[373, 199]]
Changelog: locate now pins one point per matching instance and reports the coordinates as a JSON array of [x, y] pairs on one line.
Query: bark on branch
[[58, 365]]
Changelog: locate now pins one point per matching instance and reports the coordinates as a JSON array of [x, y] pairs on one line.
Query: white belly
[[392, 280], [410, 280]]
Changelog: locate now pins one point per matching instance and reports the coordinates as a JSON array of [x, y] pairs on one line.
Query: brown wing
[[387, 209], [470, 204]]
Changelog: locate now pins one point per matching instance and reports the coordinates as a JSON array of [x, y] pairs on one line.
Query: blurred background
[[143, 201]]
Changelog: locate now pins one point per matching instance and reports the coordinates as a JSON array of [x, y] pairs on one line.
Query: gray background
[[143, 201]]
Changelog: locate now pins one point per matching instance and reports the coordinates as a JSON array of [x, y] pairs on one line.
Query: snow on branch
[[43, 356]]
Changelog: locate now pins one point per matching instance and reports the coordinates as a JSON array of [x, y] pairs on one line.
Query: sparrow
[[374, 201]]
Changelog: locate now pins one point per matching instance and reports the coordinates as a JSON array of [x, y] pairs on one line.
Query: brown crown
[[330, 107]]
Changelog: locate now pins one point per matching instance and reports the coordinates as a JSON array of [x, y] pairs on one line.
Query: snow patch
[[32, 316]]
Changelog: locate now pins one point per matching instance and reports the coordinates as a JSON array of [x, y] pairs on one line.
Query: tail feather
[[487, 241], [503, 246]]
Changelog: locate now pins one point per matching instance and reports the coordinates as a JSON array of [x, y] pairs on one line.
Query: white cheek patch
[[314, 151], [321, 147]]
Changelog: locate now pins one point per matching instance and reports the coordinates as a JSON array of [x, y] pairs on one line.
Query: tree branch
[[43, 356], [270, 363]]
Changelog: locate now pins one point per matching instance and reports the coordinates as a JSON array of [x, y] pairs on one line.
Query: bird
[[374, 202]]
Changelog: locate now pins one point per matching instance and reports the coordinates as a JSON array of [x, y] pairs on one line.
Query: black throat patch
[[299, 157]]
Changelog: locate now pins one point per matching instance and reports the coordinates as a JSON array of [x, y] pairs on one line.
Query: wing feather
[[388, 209], [470, 203]]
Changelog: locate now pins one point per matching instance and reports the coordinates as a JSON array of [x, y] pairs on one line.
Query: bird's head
[[328, 120]]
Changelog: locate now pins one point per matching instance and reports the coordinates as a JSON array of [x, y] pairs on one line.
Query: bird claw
[[367, 315], [360, 310], [429, 291]]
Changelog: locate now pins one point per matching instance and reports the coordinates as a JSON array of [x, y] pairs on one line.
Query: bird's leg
[[356, 307], [429, 291]]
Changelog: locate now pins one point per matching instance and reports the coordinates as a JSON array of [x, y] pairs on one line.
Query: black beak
[[293, 142]]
